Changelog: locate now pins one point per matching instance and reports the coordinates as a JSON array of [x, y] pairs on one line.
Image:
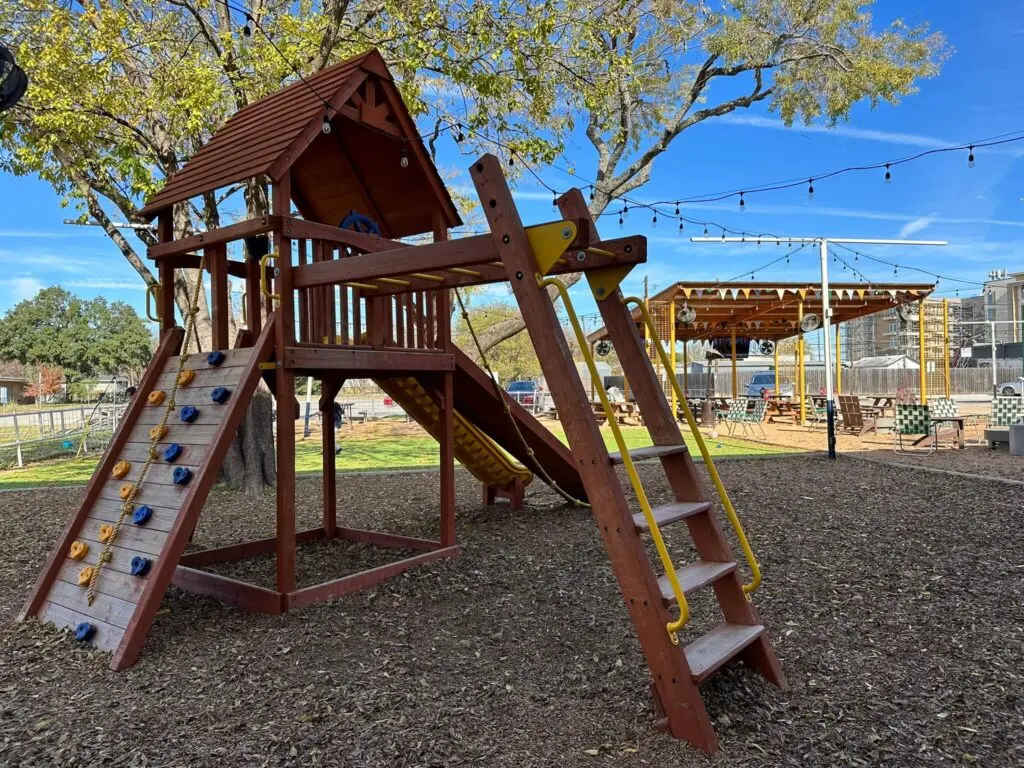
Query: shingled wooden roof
[[355, 167]]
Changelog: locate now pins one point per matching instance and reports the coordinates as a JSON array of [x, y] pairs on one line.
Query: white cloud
[[914, 226], [25, 287], [110, 285], [845, 131]]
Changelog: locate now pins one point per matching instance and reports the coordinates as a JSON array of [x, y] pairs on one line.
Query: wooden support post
[[329, 391], [684, 711], [672, 354], [217, 262], [922, 352], [166, 304], [735, 384], [285, 394], [447, 412], [253, 298], [945, 346], [304, 309], [778, 392]]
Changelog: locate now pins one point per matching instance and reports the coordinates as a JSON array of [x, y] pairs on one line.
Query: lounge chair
[[1005, 412], [736, 414], [913, 420], [856, 419], [755, 418]]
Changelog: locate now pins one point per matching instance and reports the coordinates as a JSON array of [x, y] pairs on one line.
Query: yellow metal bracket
[[604, 282], [549, 241], [153, 292], [271, 366]]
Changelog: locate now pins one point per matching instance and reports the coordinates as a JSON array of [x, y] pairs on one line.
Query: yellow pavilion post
[[686, 371], [778, 391], [921, 352], [945, 345], [672, 354], [800, 363], [735, 389], [839, 364]]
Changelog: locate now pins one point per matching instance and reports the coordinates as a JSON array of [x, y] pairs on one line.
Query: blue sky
[[980, 210]]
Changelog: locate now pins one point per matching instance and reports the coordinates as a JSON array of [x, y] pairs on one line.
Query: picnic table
[[782, 409], [938, 421], [880, 404], [625, 412]]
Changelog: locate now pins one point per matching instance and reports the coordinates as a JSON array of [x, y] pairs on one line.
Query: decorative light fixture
[[592, 194], [404, 158], [970, 157], [654, 219], [247, 30], [680, 226], [743, 203], [326, 127], [810, 189], [677, 209], [888, 174], [460, 136]]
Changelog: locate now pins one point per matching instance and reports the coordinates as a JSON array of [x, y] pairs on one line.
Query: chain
[[156, 435], [508, 412]]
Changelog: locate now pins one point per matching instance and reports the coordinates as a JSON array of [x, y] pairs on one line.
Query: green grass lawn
[[362, 455]]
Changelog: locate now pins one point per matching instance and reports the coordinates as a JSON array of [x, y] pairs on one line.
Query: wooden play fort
[[333, 293]]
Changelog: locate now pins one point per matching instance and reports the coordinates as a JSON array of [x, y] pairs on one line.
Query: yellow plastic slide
[[473, 449]]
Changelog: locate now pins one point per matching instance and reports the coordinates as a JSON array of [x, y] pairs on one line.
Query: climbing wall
[[121, 548]]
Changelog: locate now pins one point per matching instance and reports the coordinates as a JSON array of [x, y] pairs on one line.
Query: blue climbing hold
[[220, 395], [215, 358], [172, 452], [189, 414], [84, 632], [68, 445], [182, 475], [142, 514], [140, 565]]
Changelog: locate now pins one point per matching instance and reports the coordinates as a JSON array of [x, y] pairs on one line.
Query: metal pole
[[686, 372], [826, 313], [672, 355], [995, 377], [921, 352], [735, 394], [309, 389], [800, 363], [945, 345], [839, 365], [17, 441]]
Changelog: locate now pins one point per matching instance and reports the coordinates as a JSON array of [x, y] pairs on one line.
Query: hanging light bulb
[[511, 160], [810, 189], [895, 271], [554, 203], [970, 157], [957, 291], [622, 219], [856, 257], [403, 159], [625, 211], [592, 194], [705, 230], [723, 233], [247, 30], [743, 203], [654, 220], [680, 226], [787, 258], [326, 127], [677, 209], [888, 174], [460, 136]]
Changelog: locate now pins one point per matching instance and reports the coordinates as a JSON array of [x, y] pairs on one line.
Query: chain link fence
[[35, 436]]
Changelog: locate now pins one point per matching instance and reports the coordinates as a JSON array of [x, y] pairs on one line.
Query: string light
[[680, 226], [810, 189], [888, 174], [326, 127], [460, 136], [403, 159], [622, 219], [677, 209], [247, 30], [511, 160], [554, 203], [654, 220], [625, 211], [970, 157], [743, 203], [592, 195], [705, 230]]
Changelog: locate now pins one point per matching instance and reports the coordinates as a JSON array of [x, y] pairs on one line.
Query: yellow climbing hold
[[158, 432], [156, 397], [126, 491], [106, 532], [121, 469], [85, 576], [185, 377], [79, 549]]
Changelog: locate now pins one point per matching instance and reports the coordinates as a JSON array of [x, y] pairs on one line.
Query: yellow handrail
[[673, 627], [730, 511], [153, 290], [264, 285]]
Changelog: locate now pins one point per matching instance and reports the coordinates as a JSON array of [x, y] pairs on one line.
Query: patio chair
[[737, 414], [856, 419], [1005, 412], [755, 417], [947, 408], [913, 420], [815, 414]]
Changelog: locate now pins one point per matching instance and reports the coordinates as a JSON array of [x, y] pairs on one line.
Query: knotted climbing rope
[[156, 435], [537, 467]]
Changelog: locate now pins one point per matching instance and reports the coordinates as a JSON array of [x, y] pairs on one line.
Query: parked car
[[524, 392], [764, 382], [1011, 388]]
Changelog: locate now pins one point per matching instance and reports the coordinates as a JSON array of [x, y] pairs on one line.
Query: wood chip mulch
[[893, 600]]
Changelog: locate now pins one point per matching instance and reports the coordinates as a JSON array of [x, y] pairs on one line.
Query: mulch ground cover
[[893, 601]]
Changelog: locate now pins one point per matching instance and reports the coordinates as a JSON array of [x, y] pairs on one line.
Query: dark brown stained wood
[[667, 514], [253, 298], [244, 550], [169, 345], [410, 320], [684, 709], [329, 389], [190, 261], [343, 315], [255, 137], [390, 540], [431, 321], [304, 302], [340, 359], [220, 236], [217, 261], [649, 452], [248, 597], [195, 495], [715, 649], [363, 579], [693, 576]]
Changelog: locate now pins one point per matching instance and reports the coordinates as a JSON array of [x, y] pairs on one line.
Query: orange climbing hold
[[185, 377], [121, 469], [156, 397], [85, 576], [158, 432], [79, 549], [106, 532], [126, 491]]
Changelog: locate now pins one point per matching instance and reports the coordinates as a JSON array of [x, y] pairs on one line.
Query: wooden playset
[[353, 301]]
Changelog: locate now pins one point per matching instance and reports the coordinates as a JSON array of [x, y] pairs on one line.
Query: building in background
[[12, 383], [885, 334]]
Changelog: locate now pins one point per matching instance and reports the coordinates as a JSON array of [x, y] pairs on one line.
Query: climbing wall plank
[[107, 636]]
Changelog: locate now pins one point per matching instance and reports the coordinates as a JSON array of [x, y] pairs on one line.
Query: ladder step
[[694, 576], [709, 653], [671, 513], [650, 452]]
